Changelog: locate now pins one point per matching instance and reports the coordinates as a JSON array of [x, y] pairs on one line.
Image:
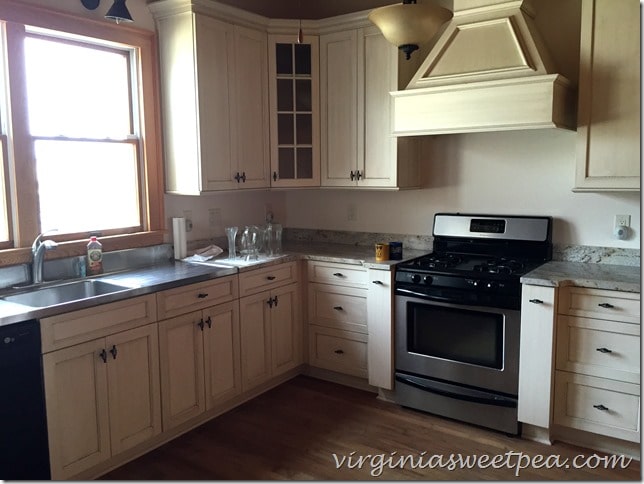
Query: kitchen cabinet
[[102, 398], [597, 378], [608, 133], [199, 348], [380, 354], [358, 69], [214, 103], [294, 111], [270, 323]]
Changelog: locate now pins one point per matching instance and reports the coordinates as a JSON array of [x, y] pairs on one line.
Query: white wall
[[517, 172]]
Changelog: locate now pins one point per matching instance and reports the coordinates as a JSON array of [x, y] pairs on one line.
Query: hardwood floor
[[293, 431]]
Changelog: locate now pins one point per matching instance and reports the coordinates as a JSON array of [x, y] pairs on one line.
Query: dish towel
[[202, 255]]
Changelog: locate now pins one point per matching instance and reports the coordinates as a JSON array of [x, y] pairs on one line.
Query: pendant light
[[408, 24], [119, 12]]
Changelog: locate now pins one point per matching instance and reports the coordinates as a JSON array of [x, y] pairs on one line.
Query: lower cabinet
[[102, 398], [200, 362], [338, 350], [270, 334]]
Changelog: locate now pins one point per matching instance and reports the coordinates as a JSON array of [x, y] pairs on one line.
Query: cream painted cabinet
[[102, 398], [199, 350], [294, 111], [609, 133], [215, 103], [270, 323], [358, 69], [380, 354]]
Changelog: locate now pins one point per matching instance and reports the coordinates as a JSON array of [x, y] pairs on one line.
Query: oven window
[[466, 336]]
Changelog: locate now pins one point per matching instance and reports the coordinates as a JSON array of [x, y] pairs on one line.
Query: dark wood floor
[[293, 431]]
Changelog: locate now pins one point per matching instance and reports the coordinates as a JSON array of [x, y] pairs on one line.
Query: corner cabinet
[[295, 111], [608, 136], [214, 103], [358, 69]]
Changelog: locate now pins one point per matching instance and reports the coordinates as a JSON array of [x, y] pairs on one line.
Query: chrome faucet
[[38, 249]]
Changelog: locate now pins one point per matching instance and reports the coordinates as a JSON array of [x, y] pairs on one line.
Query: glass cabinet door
[[294, 111]]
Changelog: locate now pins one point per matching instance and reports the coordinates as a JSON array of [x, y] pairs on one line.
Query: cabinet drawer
[[340, 274], [341, 351], [338, 306], [597, 405], [260, 280], [599, 348], [600, 304], [193, 297], [87, 324]]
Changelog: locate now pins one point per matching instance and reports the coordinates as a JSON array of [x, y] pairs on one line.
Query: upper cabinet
[[215, 103], [608, 149], [294, 111], [358, 69]]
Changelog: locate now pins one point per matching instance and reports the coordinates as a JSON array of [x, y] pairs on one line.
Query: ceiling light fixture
[[409, 24], [119, 12]]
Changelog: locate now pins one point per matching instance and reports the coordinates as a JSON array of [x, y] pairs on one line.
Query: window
[[82, 154]]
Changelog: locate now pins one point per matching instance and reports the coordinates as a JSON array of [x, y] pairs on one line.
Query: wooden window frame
[[23, 205]]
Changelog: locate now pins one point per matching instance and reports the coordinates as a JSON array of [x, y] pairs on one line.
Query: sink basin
[[64, 293]]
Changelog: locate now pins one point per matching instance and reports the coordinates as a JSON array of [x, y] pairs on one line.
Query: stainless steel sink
[[64, 293]]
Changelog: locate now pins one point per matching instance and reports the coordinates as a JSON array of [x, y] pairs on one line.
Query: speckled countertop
[[598, 276]]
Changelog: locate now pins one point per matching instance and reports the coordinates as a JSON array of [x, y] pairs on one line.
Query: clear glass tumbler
[[231, 233]]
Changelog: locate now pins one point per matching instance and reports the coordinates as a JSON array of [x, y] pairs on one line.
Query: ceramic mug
[[382, 251]]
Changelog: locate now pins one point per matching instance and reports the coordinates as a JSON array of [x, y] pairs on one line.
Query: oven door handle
[[433, 297], [468, 394]]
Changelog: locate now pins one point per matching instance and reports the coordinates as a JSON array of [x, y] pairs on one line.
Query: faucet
[[38, 249]]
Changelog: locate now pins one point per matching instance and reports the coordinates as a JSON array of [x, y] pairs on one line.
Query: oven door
[[473, 346]]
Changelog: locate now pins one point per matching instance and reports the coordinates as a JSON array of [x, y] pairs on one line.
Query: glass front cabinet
[[294, 108]]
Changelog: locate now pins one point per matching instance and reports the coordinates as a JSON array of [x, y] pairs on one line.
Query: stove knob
[[428, 279], [415, 278], [476, 283], [491, 285]]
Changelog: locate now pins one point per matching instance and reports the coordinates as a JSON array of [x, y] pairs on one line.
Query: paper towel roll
[[179, 237]]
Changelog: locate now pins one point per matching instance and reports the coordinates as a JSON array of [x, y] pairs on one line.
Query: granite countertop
[[151, 279], [582, 274]]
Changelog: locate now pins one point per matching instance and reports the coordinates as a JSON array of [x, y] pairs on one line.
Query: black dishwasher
[[24, 450]]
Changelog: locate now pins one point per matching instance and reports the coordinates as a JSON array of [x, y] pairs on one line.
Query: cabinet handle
[[536, 301], [209, 322], [275, 301], [338, 274], [103, 355], [200, 324], [339, 352], [352, 175], [243, 176], [113, 351], [606, 305], [377, 282], [358, 174], [274, 176], [202, 295], [604, 350], [601, 407], [270, 302], [270, 278], [237, 177], [337, 308]]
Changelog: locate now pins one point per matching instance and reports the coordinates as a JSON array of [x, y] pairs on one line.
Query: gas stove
[[478, 259]]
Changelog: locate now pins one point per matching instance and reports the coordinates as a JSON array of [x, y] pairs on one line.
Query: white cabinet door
[[254, 323], [286, 329]]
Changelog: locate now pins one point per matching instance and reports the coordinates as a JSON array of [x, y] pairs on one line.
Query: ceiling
[[305, 9]]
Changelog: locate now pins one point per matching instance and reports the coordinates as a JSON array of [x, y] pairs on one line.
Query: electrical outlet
[[187, 214], [622, 220], [214, 217], [352, 213]]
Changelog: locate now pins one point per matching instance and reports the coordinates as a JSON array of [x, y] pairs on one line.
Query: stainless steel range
[[458, 315]]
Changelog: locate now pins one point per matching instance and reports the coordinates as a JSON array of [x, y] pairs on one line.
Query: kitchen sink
[[64, 293]]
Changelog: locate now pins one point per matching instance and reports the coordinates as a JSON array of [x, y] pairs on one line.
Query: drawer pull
[[338, 274], [339, 352], [270, 278], [536, 301], [604, 350], [202, 295], [601, 407], [606, 305], [377, 282], [338, 308], [113, 351]]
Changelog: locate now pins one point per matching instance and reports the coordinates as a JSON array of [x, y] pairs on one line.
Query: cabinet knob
[[275, 301], [377, 282], [604, 350], [338, 274], [352, 175], [209, 322], [103, 355], [339, 352], [200, 324], [536, 301], [237, 177], [113, 351], [243, 177], [601, 407], [358, 175], [202, 295], [337, 308], [606, 305]]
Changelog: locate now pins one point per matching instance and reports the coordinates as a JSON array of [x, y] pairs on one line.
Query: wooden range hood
[[489, 70]]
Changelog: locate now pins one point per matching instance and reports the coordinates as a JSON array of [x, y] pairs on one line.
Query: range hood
[[489, 70]]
